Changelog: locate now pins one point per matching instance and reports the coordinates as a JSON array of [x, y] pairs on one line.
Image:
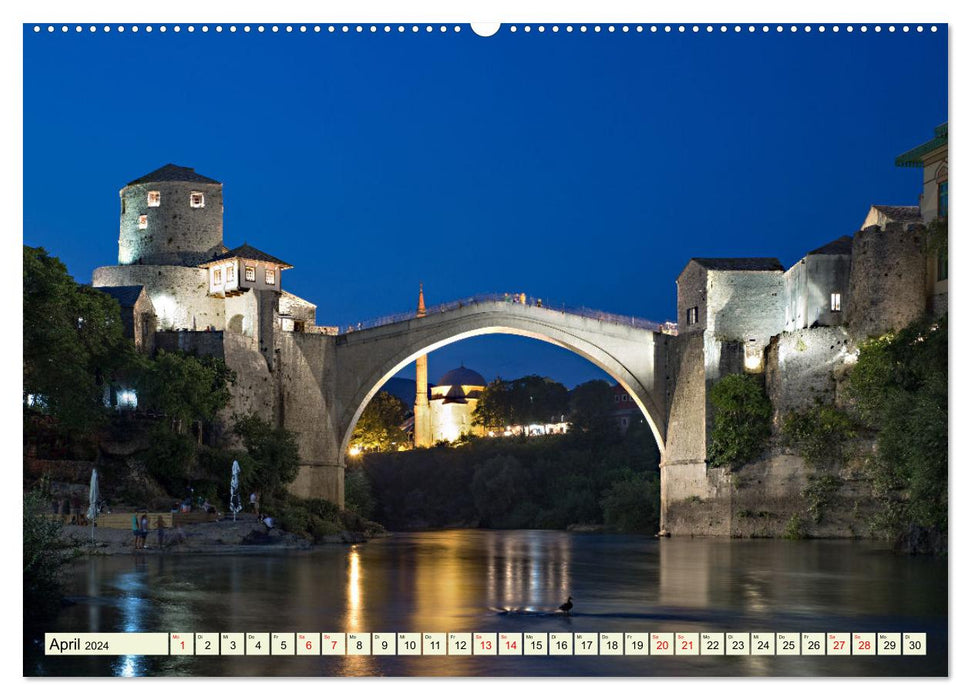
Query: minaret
[[423, 418]]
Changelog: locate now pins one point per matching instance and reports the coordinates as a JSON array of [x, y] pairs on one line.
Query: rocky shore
[[246, 535]]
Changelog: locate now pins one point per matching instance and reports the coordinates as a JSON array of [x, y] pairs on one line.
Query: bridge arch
[[367, 359]]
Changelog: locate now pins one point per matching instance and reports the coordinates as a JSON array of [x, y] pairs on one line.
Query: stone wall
[[176, 234], [306, 379], [200, 343], [179, 294], [692, 292], [887, 279], [809, 284], [773, 493], [745, 306]]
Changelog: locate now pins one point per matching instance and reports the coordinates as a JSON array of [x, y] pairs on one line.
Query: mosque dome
[[462, 376]]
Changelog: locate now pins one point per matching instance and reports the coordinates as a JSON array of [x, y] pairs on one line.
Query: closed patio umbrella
[[235, 504], [93, 496]]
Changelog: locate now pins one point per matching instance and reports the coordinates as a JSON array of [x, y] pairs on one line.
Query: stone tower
[[423, 419], [172, 216]]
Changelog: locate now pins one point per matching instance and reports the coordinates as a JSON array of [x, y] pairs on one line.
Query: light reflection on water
[[455, 581]]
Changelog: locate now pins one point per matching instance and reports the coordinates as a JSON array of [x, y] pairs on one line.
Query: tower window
[[835, 302], [197, 200], [942, 200], [692, 315], [154, 199], [250, 273], [270, 276], [143, 221]]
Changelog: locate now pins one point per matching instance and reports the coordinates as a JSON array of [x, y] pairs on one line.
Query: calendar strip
[[759, 643]]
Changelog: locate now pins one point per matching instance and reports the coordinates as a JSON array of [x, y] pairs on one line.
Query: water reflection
[[455, 581]]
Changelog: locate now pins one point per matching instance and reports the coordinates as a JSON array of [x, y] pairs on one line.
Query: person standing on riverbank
[[160, 531], [144, 529]]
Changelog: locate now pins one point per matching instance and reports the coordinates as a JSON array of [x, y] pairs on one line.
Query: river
[[461, 580]]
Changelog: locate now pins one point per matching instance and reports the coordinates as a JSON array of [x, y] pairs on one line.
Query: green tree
[[591, 405], [743, 420], [632, 503], [379, 427], [900, 387], [529, 399], [184, 387], [274, 452], [493, 411], [45, 555], [73, 343]]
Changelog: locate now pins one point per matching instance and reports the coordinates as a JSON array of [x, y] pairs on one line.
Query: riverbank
[[246, 535]]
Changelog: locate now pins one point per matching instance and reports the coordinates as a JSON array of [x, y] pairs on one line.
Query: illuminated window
[[197, 200], [692, 315], [143, 221], [270, 276], [154, 199], [217, 276], [835, 302], [250, 273]]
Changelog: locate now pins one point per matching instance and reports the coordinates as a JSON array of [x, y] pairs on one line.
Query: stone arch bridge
[[632, 351]]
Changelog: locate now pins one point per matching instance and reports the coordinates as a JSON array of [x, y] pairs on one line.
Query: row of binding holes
[[414, 28]]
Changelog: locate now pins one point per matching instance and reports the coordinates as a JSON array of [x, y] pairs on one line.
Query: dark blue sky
[[585, 169]]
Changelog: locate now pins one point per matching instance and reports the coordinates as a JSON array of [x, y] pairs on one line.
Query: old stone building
[[799, 330]]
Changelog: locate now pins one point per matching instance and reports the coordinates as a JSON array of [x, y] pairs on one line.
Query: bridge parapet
[[668, 327]]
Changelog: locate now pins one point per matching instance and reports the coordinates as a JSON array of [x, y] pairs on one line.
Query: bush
[[632, 504], [168, 459], [743, 420], [45, 556], [900, 384], [819, 434], [276, 458], [358, 496]]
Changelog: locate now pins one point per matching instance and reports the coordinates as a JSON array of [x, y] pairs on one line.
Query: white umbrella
[[234, 503], [93, 500]]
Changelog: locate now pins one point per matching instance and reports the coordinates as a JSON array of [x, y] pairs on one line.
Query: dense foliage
[[73, 343], [276, 458], [591, 404], [540, 482], [743, 420], [819, 434], [379, 427], [530, 399], [45, 555], [900, 387], [185, 388]]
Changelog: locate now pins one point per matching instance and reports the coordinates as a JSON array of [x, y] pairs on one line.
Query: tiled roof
[[174, 173], [841, 246], [741, 264], [248, 252], [899, 213], [914, 158], [126, 296]]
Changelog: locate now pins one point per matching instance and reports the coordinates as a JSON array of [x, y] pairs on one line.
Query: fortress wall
[[306, 380], [746, 306], [194, 342], [179, 294], [887, 279], [802, 368], [255, 390], [177, 234]]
